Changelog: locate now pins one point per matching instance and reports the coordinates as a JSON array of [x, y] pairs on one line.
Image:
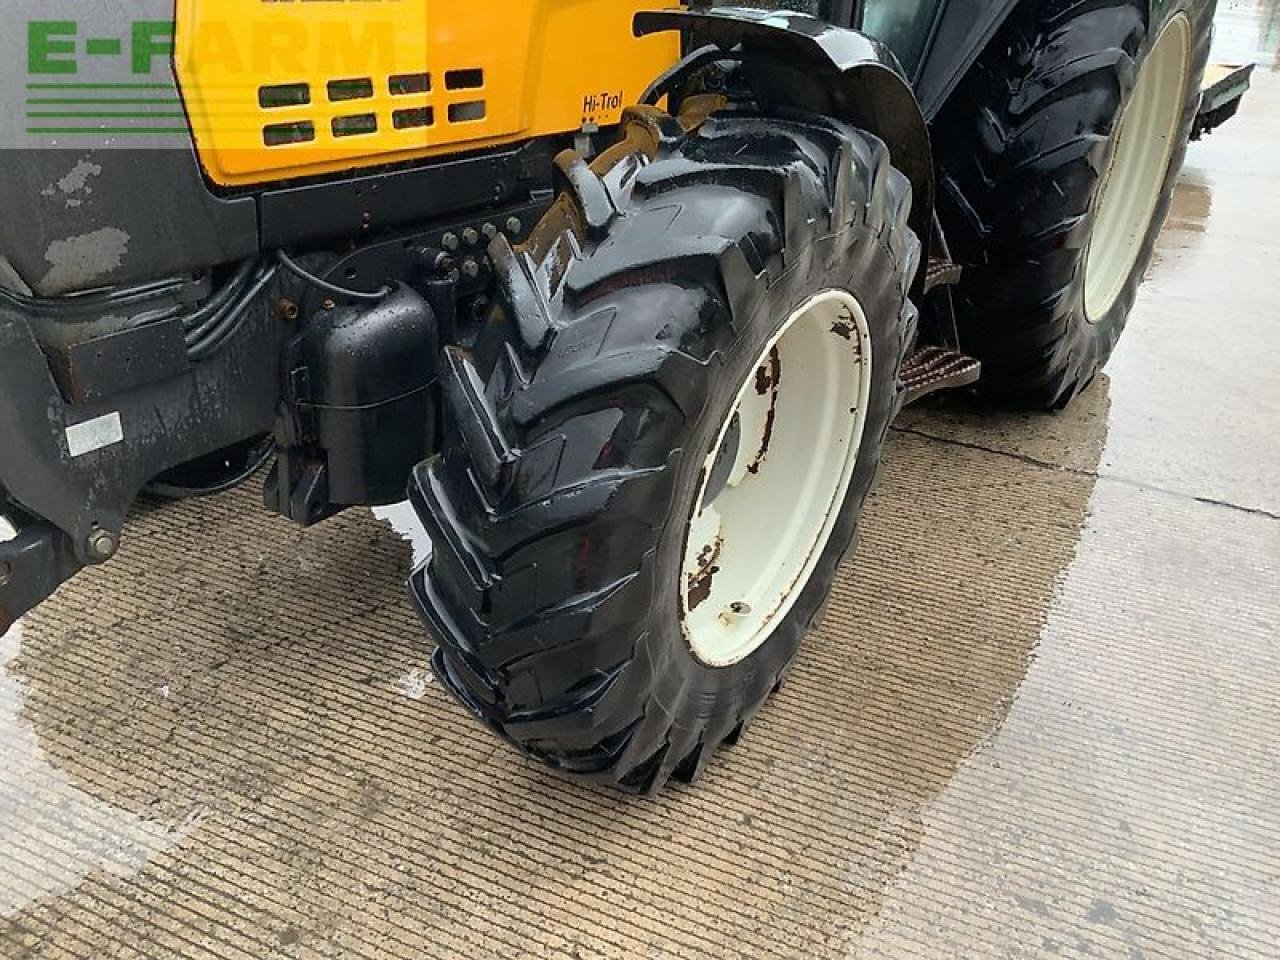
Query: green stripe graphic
[[101, 114], [164, 101], [100, 86], [97, 131]]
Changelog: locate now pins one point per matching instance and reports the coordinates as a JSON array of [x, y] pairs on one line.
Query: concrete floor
[[1042, 718]]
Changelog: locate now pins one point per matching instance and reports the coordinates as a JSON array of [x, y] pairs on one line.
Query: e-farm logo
[[63, 100], [105, 81]]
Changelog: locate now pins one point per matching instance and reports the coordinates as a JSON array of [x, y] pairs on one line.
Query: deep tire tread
[[537, 639], [1022, 147]]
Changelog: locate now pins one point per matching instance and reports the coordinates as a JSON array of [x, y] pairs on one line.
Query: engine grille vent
[[352, 107]]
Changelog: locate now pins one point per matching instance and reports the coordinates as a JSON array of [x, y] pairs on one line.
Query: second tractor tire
[[1024, 150]]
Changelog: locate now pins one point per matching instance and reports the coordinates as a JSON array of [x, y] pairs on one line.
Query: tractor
[[624, 294]]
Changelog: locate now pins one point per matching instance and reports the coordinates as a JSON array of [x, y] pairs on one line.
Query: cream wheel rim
[[775, 481], [1144, 146]]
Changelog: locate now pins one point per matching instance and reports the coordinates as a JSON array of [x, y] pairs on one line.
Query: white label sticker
[[94, 434]]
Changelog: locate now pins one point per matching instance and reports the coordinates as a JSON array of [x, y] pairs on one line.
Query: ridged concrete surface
[[1041, 719]]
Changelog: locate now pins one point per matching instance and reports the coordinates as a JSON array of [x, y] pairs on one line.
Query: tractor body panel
[[282, 90], [176, 118]]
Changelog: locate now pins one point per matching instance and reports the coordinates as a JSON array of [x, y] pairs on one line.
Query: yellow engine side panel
[[288, 88]]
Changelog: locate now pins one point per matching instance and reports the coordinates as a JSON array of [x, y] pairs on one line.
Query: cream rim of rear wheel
[[775, 480], [1144, 148]]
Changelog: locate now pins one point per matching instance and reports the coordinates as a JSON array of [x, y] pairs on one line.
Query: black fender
[[792, 60]]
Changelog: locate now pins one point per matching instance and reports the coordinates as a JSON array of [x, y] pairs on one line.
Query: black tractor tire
[[580, 423], [1023, 147]]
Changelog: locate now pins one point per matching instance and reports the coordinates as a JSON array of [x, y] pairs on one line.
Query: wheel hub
[[775, 479]]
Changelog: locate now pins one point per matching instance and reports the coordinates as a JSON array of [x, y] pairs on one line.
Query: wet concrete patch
[[263, 677]]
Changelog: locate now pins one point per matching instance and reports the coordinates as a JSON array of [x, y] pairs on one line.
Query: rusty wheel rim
[[774, 481]]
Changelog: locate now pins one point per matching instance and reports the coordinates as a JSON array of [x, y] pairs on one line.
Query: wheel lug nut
[[470, 237], [449, 241]]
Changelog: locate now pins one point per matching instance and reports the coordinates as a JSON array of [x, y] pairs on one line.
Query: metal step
[[941, 273], [931, 369]]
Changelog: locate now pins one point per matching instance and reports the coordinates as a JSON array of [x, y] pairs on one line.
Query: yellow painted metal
[[287, 88]]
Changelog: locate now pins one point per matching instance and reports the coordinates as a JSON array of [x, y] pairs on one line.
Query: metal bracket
[[80, 465]]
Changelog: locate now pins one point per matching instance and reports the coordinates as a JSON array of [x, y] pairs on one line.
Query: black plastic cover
[[364, 379]]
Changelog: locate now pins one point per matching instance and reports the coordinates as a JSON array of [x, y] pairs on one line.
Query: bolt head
[[514, 226], [470, 236], [489, 231], [102, 545], [470, 269], [449, 241]]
